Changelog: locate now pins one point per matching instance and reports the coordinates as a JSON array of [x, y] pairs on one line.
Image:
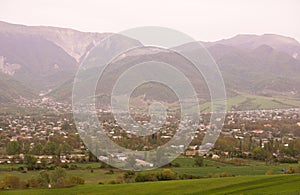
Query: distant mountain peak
[[74, 42], [249, 41], [47, 58]]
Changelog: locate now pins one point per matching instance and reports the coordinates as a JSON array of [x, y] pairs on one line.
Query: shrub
[[217, 175], [167, 174], [238, 162], [73, 167], [270, 172], [52, 167], [60, 183], [129, 176], [176, 165], [43, 179], [287, 160], [65, 166], [75, 180], [88, 167], [33, 183], [226, 174], [199, 161], [21, 169], [146, 177], [114, 182], [290, 170], [2, 185], [13, 182], [58, 177], [110, 172], [188, 176]]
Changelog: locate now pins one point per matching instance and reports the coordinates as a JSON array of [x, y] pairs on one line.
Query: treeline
[[272, 151], [55, 179], [164, 175], [56, 147]]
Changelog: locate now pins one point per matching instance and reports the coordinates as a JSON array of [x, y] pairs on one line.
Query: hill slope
[[11, 89], [43, 57], [278, 184], [46, 59]]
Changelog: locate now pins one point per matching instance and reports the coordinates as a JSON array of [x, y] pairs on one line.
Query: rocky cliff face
[[74, 42]]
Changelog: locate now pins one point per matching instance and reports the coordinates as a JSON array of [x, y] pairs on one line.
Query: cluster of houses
[[48, 159], [30, 129]]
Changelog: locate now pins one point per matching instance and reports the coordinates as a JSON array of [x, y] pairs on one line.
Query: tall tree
[[13, 147], [50, 148], [199, 160], [30, 162], [37, 149]]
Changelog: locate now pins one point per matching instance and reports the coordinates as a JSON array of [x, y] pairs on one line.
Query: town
[[52, 138]]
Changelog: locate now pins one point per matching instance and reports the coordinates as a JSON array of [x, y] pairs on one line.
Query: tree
[[269, 152], [58, 177], [30, 162], [43, 179], [66, 148], [92, 157], [50, 148], [37, 149], [26, 148], [44, 163], [13, 147], [199, 160], [297, 146], [228, 144], [258, 153]]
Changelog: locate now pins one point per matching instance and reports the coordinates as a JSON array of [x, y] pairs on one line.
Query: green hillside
[[279, 184]]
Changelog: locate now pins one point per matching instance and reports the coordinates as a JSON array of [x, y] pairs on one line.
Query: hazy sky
[[203, 20]]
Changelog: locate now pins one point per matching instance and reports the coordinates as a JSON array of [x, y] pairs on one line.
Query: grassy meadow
[[275, 184], [248, 179]]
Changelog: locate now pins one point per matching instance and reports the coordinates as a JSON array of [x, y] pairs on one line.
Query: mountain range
[[43, 60]]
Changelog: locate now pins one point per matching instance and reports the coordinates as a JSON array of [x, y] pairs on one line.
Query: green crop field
[[248, 179], [187, 166], [245, 101], [275, 184]]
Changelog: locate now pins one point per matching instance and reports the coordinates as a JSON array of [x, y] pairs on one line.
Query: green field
[[253, 102], [98, 175], [249, 179], [187, 166], [275, 184], [212, 167], [249, 102]]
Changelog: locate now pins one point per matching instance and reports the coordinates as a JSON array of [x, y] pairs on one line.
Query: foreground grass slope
[[275, 184]]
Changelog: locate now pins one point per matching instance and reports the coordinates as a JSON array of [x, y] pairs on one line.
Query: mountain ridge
[[47, 59], [63, 37]]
